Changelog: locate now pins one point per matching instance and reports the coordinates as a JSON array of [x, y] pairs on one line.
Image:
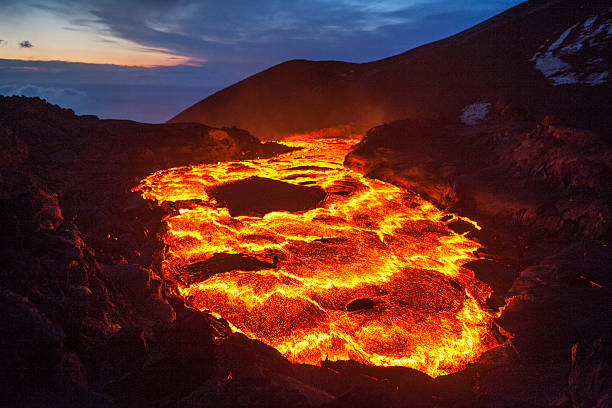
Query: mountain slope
[[551, 56]]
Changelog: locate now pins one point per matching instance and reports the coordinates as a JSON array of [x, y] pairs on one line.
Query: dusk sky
[[148, 60]]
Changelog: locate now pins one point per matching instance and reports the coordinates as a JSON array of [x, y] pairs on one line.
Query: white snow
[[554, 68], [589, 23], [585, 34], [561, 38], [553, 65], [572, 48], [474, 113], [564, 79], [597, 78], [596, 32]]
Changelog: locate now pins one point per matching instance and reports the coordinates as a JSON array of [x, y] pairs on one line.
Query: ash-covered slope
[[551, 56]]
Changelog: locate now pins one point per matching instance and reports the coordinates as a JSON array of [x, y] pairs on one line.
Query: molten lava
[[370, 273]]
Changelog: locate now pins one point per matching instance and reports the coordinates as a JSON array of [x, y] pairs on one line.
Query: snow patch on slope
[[578, 42], [598, 79], [474, 113], [553, 68], [561, 38]]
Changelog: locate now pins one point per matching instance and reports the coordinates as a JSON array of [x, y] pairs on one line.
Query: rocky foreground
[[80, 304], [85, 321], [542, 193]]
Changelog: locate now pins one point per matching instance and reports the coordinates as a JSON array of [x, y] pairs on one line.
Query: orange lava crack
[[367, 239]]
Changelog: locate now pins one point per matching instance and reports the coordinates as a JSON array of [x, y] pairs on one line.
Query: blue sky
[[149, 59]]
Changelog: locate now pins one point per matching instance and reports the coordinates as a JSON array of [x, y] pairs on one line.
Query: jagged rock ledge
[[84, 320], [542, 193]]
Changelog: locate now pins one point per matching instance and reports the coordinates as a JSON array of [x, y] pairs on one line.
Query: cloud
[[117, 101], [73, 74], [68, 97], [265, 32], [231, 39], [26, 44]]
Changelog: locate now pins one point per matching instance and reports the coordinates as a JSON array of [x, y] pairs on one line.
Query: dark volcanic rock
[[542, 195], [36, 368], [362, 398], [178, 359], [140, 294], [391, 386], [194, 348], [128, 347], [257, 196], [92, 164], [460, 226], [590, 379], [219, 263], [80, 323], [513, 172], [497, 275], [359, 304], [29, 340], [13, 151], [407, 153]]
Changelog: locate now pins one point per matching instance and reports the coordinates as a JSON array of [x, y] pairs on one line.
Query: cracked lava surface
[[369, 273]]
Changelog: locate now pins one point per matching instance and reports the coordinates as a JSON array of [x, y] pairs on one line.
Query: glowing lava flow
[[366, 240]]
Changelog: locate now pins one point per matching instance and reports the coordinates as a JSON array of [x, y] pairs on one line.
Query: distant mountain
[[550, 56]]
